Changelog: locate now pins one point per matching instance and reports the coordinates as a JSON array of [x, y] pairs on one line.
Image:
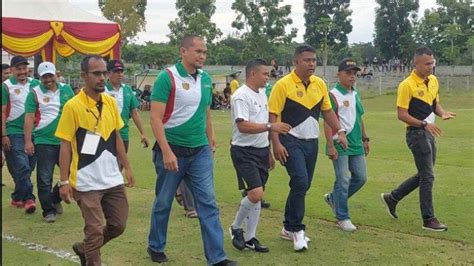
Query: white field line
[[42, 248]]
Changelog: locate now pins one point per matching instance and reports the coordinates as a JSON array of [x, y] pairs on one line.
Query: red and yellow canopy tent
[[54, 27]]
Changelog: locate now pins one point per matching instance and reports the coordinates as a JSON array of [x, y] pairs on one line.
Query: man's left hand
[[342, 140], [448, 115], [145, 141], [366, 147]]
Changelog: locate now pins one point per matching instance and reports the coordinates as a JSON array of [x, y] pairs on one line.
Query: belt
[[414, 128]]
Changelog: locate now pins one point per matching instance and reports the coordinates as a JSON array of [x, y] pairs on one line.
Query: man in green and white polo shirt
[[126, 101], [43, 109], [181, 123], [349, 164], [20, 165]]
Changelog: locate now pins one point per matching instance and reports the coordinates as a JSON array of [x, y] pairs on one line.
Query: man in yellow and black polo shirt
[[298, 99], [417, 105], [90, 145]]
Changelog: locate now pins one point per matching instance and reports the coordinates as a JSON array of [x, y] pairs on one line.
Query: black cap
[[348, 64], [113, 65], [18, 60]]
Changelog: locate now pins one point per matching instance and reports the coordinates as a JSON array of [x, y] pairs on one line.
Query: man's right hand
[[6, 143], [281, 128], [29, 148], [280, 153], [332, 152], [65, 192], [170, 161], [433, 129]]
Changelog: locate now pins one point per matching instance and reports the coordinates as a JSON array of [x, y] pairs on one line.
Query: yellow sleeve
[[67, 125], [326, 100], [437, 93], [403, 95], [277, 99]]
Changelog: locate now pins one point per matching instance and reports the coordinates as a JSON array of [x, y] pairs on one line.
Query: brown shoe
[[434, 225]]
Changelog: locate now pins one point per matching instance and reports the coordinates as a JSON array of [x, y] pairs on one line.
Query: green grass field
[[379, 240]]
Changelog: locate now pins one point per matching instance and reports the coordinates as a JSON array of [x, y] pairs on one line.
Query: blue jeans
[[48, 157], [351, 174], [302, 156], [197, 172], [20, 166]]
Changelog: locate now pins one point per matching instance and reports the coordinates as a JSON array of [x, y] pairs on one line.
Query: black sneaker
[[237, 236], [254, 244], [390, 204], [226, 262], [159, 257], [434, 225], [77, 249], [264, 204]]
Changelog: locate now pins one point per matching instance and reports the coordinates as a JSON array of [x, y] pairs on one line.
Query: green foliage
[[194, 17], [331, 19], [394, 21], [446, 30], [158, 54], [262, 25], [130, 15]]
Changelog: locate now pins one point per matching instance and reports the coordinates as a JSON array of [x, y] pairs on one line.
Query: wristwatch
[[63, 183], [423, 124], [269, 126]]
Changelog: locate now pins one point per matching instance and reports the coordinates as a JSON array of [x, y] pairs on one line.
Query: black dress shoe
[[159, 257]]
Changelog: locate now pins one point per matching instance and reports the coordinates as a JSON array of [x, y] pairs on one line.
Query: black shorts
[[251, 165]]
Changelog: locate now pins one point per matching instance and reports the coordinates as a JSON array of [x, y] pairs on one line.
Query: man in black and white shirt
[[250, 151]]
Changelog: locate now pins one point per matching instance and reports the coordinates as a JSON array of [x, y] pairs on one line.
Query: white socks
[[245, 207], [252, 221]]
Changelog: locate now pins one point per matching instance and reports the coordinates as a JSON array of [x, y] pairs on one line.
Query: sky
[[160, 12]]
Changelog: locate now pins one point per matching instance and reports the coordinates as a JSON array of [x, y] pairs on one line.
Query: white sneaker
[[346, 225], [299, 241], [287, 235]]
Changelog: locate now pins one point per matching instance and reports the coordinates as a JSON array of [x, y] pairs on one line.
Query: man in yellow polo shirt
[[417, 106], [298, 99], [89, 172]]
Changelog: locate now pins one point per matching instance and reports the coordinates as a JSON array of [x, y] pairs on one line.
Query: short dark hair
[[423, 50], [5, 66], [252, 64], [187, 40], [87, 59], [303, 48]]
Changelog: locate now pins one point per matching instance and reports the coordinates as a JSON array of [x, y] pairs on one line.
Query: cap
[[46, 68], [115, 65], [348, 64], [18, 60]]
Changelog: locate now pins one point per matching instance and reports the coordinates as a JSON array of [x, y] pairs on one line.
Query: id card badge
[[91, 142]]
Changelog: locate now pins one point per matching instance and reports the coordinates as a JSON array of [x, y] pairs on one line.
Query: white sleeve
[[240, 109]]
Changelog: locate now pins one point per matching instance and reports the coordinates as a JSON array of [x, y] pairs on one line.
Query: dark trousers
[[423, 148], [300, 164], [20, 166], [47, 157], [96, 206]]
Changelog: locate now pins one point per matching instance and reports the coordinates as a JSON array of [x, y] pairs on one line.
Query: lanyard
[[99, 105]]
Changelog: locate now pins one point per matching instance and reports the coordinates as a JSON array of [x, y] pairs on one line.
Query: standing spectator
[[90, 145], [127, 103], [349, 164], [14, 93], [297, 99], [234, 84], [60, 77], [146, 97], [184, 149], [44, 104], [417, 105], [288, 65], [250, 152], [6, 72], [375, 63]]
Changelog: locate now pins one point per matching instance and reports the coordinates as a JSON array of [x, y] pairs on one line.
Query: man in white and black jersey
[[250, 151]]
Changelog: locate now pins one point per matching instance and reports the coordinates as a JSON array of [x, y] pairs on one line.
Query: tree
[[159, 54], [394, 20], [130, 15], [194, 17], [262, 25]]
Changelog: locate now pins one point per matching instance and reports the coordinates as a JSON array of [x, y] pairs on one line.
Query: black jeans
[[48, 157], [422, 145]]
